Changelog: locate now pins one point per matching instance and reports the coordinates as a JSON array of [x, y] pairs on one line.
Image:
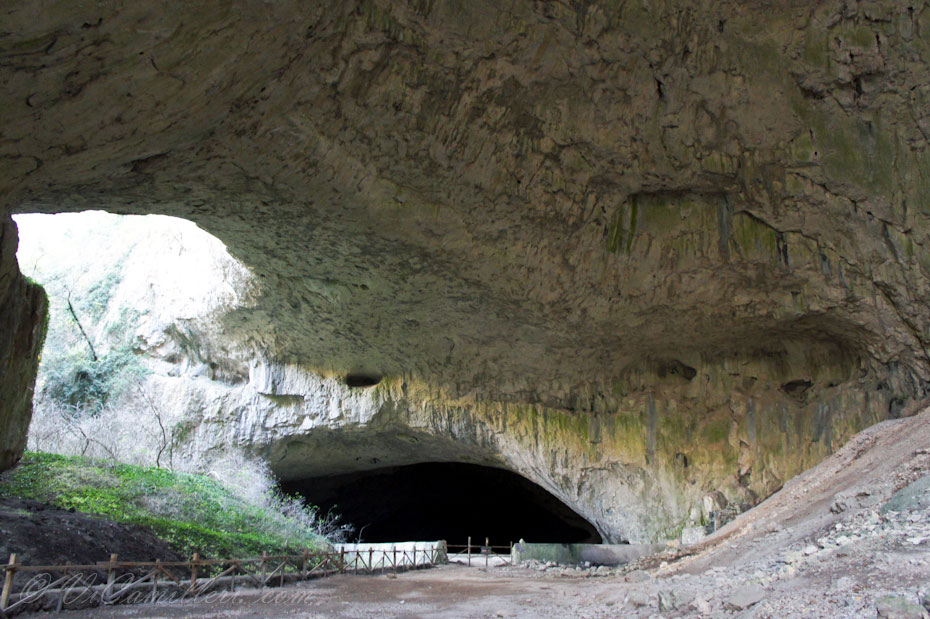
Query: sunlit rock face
[[637, 472], [676, 248], [22, 329]]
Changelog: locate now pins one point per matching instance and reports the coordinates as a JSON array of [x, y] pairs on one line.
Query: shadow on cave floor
[[449, 501]]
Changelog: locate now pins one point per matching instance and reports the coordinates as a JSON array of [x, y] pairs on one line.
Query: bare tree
[[70, 420], [164, 443]]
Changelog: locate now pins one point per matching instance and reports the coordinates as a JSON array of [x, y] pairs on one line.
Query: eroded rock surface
[[645, 253], [22, 330]]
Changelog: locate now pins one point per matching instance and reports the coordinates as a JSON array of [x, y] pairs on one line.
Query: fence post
[[264, 560], [394, 560], [155, 581], [414, 556], [303, 565], [342, 560], [8, 582], [194, 571], [371, 551], [61, 596], [111, 573], [111, 579], [469, 551], [487, 555]]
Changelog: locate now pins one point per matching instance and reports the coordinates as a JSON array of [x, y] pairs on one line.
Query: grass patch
[[194, 513]]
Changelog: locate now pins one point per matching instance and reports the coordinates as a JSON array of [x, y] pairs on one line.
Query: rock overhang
[[582, 211]]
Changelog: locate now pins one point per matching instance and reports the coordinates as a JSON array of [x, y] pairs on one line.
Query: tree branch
[[87, 439], [93, 353], [164, 434]]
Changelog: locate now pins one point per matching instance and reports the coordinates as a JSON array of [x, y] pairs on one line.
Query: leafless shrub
[[131, 430], [251, 480], [135, 430]]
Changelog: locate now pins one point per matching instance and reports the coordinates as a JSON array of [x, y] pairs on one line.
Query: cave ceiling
[[518, 200]]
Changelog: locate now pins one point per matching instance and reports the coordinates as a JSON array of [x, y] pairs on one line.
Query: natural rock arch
[[530, 215]]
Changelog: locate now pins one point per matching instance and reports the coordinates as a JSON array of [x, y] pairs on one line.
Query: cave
[[594, 241], [443, 500]]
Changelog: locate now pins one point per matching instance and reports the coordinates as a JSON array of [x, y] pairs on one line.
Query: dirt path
[[448, 591]]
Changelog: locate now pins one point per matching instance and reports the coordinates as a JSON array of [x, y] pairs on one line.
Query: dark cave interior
[[441, 500]]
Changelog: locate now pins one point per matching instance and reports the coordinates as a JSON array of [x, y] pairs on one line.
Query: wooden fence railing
[[59, 587], [487, 551]]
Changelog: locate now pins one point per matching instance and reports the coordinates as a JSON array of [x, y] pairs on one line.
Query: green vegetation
[[96, 299], [72, 373], [76, 380], [192, 512], [87, 358]]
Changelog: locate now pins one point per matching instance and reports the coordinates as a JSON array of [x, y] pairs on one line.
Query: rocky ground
[[849, 538]]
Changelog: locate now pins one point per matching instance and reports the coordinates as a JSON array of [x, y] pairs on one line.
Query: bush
[[76, 380], [97, 298], [253, 482]]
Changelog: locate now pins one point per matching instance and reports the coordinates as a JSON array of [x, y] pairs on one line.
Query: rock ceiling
[[548, 203]]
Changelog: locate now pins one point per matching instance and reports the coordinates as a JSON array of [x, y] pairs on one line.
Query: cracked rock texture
[[22, 332], [672, 248]]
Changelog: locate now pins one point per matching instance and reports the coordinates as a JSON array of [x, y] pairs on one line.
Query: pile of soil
[[41, 534]]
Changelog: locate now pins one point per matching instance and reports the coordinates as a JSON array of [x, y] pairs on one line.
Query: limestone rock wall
[[639, 470], [640, 460], [23, 315]]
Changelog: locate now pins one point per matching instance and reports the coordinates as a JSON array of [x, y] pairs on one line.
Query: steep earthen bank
[[640, 255]]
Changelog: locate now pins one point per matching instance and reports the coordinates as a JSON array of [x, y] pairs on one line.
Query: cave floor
[[454, 591]]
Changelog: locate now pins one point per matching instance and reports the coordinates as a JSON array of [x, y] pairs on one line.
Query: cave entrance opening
[[133, 302], [442, 500]]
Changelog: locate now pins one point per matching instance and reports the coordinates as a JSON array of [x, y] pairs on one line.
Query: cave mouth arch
[[136, 305], [444, 500]]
